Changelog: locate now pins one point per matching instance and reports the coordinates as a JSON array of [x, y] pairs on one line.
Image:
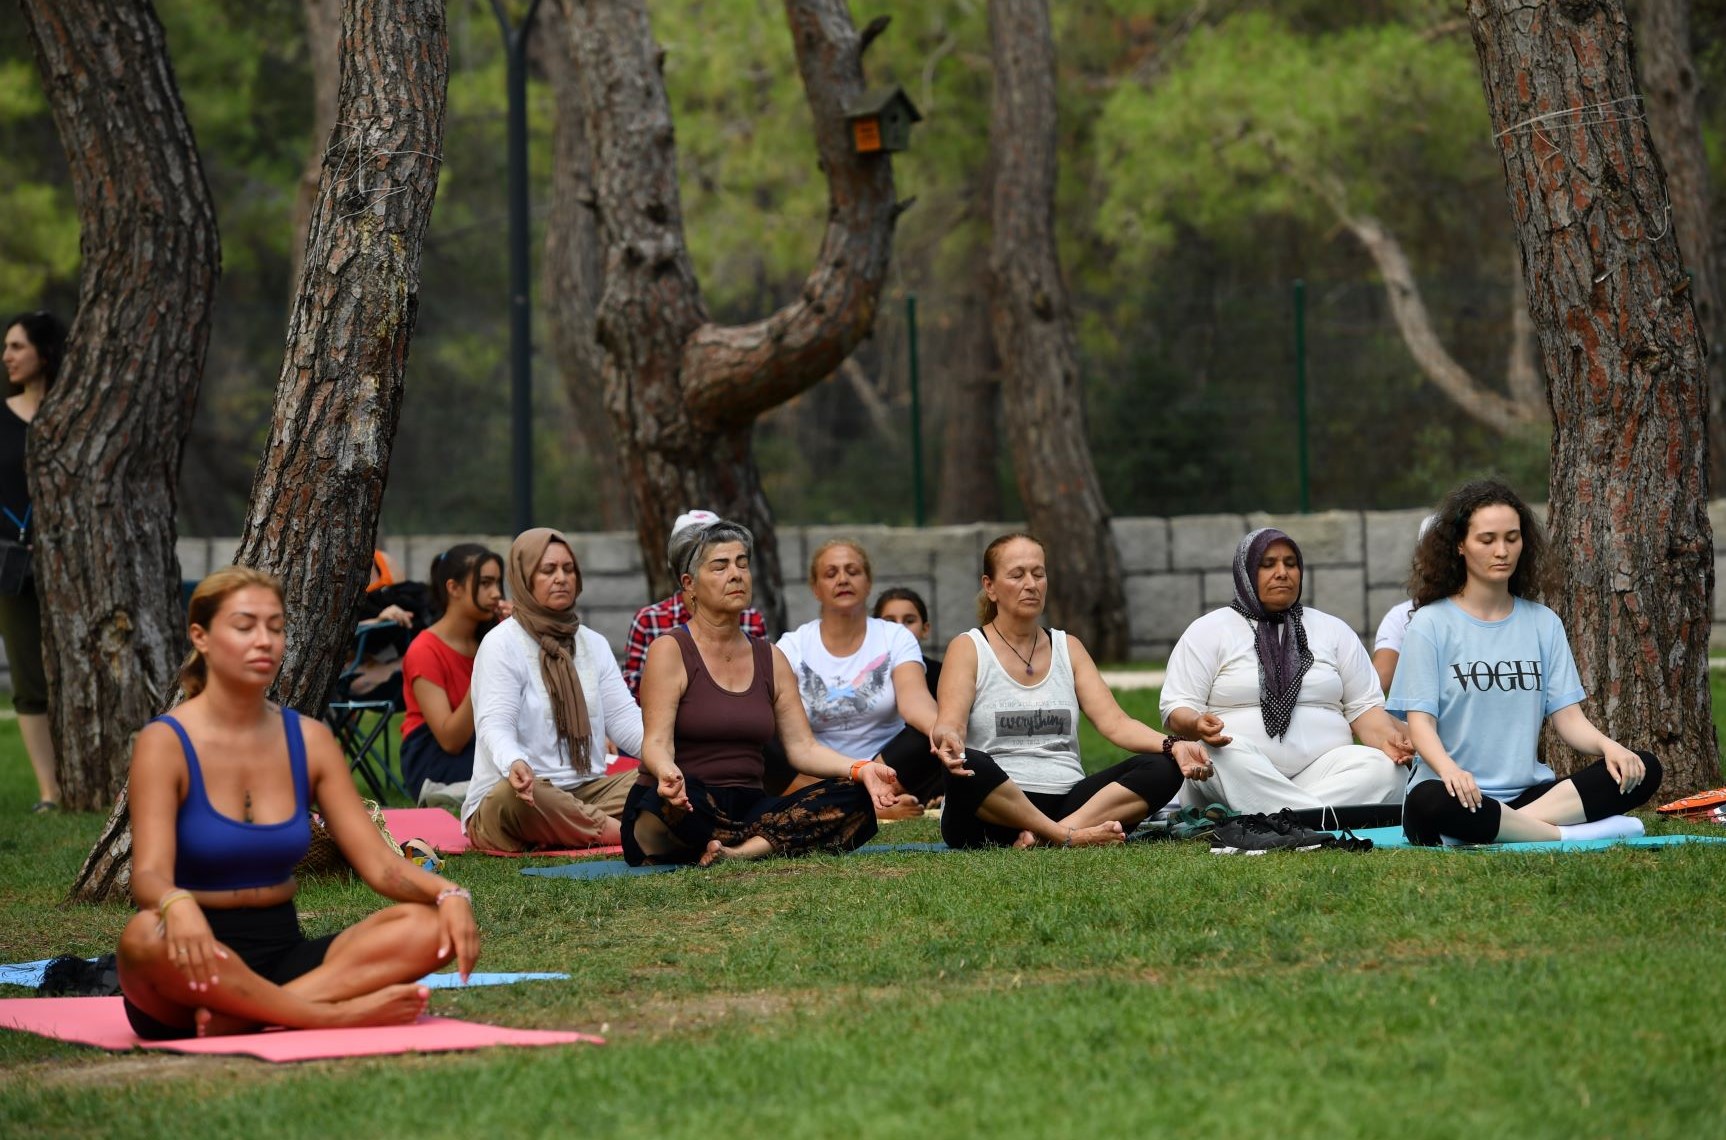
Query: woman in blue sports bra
[[220, 793]]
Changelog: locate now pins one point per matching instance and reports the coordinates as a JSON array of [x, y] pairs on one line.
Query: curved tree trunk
[[1667, 64], [315, 499], [1624, 365], [105, 449], [684, 393], [1032, 316], [573, 276]]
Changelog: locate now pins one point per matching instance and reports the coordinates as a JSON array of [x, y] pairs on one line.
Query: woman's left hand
[[1624, 765], [1399, 748], [881, 782], [457, 931], [1194, 761]]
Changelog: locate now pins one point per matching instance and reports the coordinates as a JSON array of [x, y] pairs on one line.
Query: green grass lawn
[[1143, 991]]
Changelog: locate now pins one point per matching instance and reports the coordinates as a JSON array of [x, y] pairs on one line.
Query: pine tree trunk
[[106, 446], [324, 52], [1032, 316], [970, 416], [315, 499], [1624, 365], [1667, 63], [684, 393], [573, 276]]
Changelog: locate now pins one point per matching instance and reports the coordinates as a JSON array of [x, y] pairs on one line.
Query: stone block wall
[[1175, 568]]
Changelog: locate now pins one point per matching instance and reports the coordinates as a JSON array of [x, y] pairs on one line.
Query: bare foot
[[715, 851], [752, 848], [209, 1023], [1026, 839], [1100, 835], [392, 1005], [905, 807]]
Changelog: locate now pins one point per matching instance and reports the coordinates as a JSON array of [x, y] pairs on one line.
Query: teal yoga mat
[[617, 868], [1387, 837], [30, 974]]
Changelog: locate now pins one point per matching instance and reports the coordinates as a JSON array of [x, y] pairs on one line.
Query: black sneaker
[[1256, 834]]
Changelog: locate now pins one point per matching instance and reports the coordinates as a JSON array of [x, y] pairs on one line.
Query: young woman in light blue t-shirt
[[1483, 666]]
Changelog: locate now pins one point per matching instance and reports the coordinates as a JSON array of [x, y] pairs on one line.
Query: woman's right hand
[[1209, 728], [521, 779], [672, 790], [191, 947], [1460, 783], [949, 745]]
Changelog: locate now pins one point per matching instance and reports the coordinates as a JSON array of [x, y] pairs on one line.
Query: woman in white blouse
[[1280, 693], [547, 693]]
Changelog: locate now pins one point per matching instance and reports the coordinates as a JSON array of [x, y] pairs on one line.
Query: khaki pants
[[557, 818]]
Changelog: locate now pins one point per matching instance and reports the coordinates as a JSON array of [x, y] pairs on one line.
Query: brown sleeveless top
[[719, 734]]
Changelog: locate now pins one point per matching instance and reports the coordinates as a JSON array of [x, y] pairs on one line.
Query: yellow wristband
[[169, 899]]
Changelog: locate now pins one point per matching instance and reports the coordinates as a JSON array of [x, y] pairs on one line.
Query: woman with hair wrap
[[1279, 693], [546, 694]]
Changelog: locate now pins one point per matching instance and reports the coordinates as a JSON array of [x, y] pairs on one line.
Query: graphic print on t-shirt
[[839, 704], [1033, 722]]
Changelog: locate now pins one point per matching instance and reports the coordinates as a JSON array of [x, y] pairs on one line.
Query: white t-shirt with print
[[850, 700]]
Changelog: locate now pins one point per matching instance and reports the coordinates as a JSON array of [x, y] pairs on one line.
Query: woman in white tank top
[[1013, 692]]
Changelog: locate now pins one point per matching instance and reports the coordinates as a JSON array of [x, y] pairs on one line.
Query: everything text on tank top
[[1031, 731], [719, 734]]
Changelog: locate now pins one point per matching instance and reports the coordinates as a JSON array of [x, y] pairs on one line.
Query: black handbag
[[16, 569]]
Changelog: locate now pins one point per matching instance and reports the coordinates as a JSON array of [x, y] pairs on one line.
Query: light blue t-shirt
[[1490, 685]]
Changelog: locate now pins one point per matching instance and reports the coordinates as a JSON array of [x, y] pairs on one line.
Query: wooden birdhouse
[[881, 121]]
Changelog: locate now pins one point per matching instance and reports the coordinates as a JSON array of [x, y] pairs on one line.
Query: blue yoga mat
[[615, 868], [1387, 837], [30, 974]]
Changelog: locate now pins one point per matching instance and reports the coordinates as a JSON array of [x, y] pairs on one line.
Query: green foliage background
[[1194, 138]]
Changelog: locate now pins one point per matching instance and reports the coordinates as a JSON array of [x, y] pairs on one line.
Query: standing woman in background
[[35, 344]]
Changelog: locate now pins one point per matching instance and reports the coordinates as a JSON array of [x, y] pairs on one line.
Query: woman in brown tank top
[[711, 699]]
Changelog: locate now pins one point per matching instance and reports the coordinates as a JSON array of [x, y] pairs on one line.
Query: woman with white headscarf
[[1280, 692]]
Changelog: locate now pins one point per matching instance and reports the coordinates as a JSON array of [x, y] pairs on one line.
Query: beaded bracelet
[[455, 893], [1168, 745]]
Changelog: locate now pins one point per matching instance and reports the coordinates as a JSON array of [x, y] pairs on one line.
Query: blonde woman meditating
[[220, 796], [1014, 691]]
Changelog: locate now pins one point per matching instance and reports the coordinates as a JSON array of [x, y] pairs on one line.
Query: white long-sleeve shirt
[[513, 718]]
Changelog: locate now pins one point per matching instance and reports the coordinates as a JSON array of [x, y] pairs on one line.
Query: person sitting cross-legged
[[1014, 691], [221, 792], [1279, 692]]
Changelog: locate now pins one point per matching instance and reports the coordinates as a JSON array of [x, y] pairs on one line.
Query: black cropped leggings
[[919, 770], [1430, 812], [1152, 777]]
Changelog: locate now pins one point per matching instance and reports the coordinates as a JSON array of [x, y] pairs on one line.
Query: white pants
[[1245, 779]]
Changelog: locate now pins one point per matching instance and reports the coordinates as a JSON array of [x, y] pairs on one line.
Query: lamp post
[[520, 314]]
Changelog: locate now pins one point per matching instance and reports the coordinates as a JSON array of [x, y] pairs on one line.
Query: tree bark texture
[[573, 273], [970, 416], [106, 445], [324, 51], [1631, 542], [315, 498], [1667, 66], [1032, 317], [683, 392]]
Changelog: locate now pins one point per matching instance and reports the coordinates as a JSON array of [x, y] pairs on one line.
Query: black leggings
[[1152, 777], [1431, 812], [919, 770]]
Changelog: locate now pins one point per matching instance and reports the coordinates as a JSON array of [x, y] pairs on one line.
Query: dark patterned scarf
[[1280, 638]]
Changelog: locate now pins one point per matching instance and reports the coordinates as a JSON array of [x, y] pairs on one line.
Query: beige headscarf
[[555, 631]]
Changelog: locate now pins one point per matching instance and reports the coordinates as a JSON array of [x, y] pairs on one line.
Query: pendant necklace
[[1015, 649], [248, 805]]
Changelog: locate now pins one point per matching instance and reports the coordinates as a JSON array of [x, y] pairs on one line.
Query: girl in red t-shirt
[[437, 732]]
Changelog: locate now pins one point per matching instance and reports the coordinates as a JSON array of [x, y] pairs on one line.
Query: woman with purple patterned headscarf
[[1280, 692]]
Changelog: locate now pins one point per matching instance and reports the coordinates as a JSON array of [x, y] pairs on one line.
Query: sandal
[[43, 807]]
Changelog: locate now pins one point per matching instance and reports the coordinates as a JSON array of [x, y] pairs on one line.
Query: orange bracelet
[[858, 766]]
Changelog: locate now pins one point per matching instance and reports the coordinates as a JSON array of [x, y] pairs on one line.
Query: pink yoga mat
[[443, 831], [102, 1022]]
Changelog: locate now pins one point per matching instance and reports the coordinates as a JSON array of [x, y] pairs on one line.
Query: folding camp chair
[[364, 725]]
